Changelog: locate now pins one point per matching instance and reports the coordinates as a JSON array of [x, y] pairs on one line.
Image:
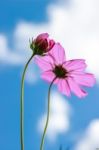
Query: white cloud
[[15, 57], [90, 139], [32, 74], [59, 117], [6, 55], [76, 27]]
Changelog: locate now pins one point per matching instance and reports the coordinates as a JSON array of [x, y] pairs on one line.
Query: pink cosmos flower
[[70, 75], [42, 44]]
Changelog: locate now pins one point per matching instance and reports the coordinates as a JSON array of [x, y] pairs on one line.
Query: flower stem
[[22, 105], [48, 115]]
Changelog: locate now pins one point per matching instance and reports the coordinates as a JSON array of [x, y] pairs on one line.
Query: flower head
[[42, 44], [70, 75]]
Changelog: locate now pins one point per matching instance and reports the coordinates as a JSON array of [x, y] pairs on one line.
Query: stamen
[[60, 72]]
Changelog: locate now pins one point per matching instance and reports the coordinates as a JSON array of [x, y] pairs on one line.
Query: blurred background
[[74, 122]]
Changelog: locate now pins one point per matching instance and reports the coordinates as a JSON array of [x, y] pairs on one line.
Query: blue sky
[[38, 16], [17, 10]]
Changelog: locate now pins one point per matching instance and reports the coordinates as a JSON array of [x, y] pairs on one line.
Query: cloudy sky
[[73, 122]]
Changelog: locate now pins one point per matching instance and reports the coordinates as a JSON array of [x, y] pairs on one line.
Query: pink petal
[[75, 65], [58, 53], [48, 59], [51, 44], [56, 81], [42, 36], [44, 62], [75, 88], [86, 79], [48, 76], [64, 87]]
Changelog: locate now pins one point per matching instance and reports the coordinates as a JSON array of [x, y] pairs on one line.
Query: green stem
[[22, 104], [48, 115]]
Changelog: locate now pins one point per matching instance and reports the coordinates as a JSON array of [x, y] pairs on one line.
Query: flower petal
[[64, 87], [51, 44], [58, 53], [42, 36], [48, 76], [75, 65], [56, 81], [48, 59], [75, 88], [45, 62], [86, 79]]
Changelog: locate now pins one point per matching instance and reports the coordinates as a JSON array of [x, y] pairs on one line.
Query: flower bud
[[42, 44]]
